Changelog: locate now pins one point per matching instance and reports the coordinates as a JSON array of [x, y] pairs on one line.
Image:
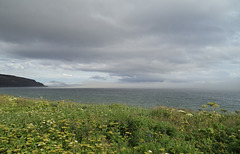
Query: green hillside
[[42, 126]]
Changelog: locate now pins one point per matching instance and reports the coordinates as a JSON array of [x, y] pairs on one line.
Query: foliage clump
[[42, 126]]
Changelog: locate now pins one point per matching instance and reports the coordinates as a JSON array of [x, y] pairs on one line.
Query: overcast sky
[[122, 43]]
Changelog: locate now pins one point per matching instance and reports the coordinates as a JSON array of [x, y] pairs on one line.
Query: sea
[[191, 99]]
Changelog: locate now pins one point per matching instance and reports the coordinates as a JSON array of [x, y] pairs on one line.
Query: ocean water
[[176, 98]]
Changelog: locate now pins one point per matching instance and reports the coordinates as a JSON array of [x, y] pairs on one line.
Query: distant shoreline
[[15, 81]]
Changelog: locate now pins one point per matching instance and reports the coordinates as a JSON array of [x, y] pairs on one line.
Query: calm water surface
[[177, 98]]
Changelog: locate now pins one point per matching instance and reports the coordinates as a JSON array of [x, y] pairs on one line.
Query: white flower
[[189, 114], [181, 111], [150, 151]]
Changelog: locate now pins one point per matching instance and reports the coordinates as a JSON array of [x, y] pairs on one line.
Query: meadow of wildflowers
[[42, 126]]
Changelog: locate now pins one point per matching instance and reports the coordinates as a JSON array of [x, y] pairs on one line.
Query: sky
[[127, 43]]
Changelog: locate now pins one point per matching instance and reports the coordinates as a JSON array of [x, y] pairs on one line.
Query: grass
[[42, 126]]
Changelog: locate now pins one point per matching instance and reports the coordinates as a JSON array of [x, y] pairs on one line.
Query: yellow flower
[[128, 133], [213, 104], [16, 150], [204, 106], [123, 149], [34, 151], [162, 149], [186, 122]]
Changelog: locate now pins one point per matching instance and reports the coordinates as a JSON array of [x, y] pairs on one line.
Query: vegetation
[[42, 126]]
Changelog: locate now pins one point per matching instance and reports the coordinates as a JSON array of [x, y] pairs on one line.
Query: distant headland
[[14, 81]]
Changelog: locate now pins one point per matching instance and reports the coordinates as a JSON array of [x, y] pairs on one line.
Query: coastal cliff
[[14, 81]]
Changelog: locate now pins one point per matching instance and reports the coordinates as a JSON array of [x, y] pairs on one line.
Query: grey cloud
[[97, 77], [188, 23], [137, 41], [56, 21]]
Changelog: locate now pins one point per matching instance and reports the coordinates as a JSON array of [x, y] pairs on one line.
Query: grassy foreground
[[41, 126]]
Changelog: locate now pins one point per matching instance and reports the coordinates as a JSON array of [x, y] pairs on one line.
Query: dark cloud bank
[[136, 41]]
